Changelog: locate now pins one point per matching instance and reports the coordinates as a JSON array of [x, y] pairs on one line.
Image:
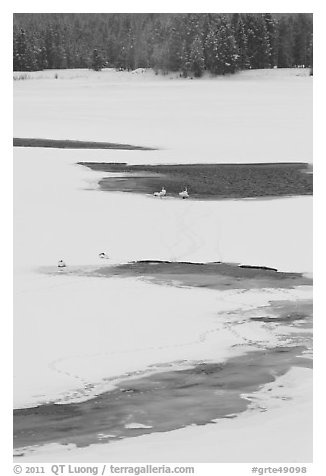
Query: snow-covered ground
[[255, 116], [70, 331]]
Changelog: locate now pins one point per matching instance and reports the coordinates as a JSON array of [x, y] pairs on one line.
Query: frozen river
[[75, 335]]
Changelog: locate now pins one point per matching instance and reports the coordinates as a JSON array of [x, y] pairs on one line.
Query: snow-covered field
[[72, 333], [256, 116]]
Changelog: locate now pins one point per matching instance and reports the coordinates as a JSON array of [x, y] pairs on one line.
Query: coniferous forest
[[190, 43]]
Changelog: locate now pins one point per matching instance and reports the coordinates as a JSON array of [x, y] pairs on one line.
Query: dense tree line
[[190, 43]]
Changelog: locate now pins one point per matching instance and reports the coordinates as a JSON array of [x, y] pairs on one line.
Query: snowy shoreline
[[205, 391], [278, 412], [216, 275]]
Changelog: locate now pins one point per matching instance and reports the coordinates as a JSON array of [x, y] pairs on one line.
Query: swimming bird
[[184, 194], [160, 194], [103, 256], [61, 264]]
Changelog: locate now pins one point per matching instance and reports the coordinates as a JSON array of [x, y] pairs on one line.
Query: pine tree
[[176, 44], [49, 47], [211, 50], [41, 58], [259, 50], [311, 55], [16, 54], [241, 41], [302, 40], [185, 60], [285, 41], [272, 39], [142, 49], [196, 59], [20, 51], [221, 48], [97, 61]]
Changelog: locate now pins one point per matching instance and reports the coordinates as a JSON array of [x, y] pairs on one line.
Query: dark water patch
[[159, 402], [73, 144], [288, 312], [209, 181], [284, 319], [213, 275]]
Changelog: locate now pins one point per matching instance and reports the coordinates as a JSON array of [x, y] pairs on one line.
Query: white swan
[[61, 264], [160, 194], [184, 194]]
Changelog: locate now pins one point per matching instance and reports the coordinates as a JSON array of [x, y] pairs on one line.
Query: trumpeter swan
[[184, 194], [162, 193]]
